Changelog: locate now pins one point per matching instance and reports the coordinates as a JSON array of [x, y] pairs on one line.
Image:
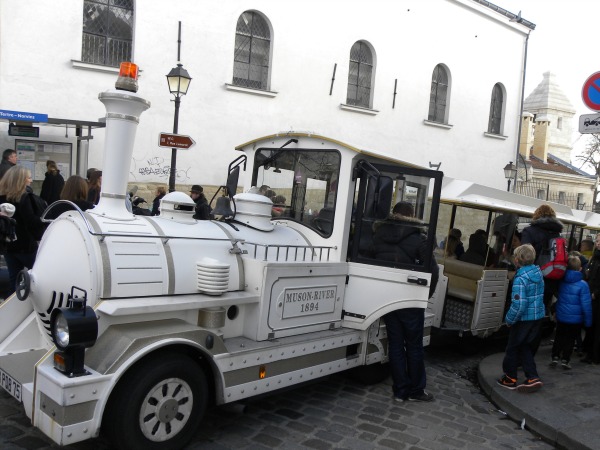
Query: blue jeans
[[15, 262], [405, 349], [520, 349]]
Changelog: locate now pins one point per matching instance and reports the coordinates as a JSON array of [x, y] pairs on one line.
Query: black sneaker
[[554, 362], [530, 385], [424, 397], [399, 399], [507, 382], [565, 364]]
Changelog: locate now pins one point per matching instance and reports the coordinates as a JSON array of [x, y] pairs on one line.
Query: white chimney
[[123, 110]]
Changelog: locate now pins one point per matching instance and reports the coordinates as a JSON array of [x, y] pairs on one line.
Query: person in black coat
[[53, 183], [29, 227], [544, 226], [161, 191], [479, 252], [401, 239], [9, 159], [202, 207], [591, 343]]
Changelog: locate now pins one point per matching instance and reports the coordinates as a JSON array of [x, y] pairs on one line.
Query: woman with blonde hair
[[53, 183], [29, 228]]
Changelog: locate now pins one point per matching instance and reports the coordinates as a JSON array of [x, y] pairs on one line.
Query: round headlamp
[[74, 327], [60, 331]]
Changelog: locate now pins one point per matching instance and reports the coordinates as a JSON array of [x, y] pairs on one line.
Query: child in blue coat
[[524, 318], [573, 308]]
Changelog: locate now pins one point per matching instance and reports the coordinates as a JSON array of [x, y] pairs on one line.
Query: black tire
[[150, 408], [371, 374]]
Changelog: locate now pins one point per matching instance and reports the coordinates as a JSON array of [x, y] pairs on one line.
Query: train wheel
[[158, 405]]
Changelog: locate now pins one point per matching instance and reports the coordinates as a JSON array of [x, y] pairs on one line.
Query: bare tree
[[590, 157]]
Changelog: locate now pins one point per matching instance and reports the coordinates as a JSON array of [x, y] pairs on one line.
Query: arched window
[[438, 99], [107, 32], [496, 110], [360, 75], [252, 51]]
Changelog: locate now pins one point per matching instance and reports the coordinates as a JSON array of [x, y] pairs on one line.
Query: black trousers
[[564, 340]]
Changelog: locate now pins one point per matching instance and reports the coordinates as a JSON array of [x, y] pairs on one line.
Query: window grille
[[252, 51], [107, 32], [360, 75], [438, 96], [495, 120]]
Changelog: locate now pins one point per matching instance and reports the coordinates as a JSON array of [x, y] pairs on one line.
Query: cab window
[[301, 183], [395, 217]]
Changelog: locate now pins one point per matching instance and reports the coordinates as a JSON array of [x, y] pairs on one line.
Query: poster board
[[34, 154]]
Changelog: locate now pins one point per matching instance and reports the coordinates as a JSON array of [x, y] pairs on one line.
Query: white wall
[[38, 40]]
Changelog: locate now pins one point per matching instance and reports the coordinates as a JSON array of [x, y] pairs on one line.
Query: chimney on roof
[[526, 141], [541, 136]]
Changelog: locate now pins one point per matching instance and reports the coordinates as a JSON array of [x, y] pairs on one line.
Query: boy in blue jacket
[[574, 307], [524, 319]]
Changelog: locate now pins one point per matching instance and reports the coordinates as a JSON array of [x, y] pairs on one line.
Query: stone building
[[545, 147], [429, 82]]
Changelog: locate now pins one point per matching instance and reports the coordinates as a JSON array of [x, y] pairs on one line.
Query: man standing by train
[[400, 238]]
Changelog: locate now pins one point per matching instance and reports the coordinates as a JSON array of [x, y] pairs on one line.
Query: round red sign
[[591, 92]]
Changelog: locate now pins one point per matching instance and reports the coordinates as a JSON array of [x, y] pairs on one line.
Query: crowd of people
[[572, 302]]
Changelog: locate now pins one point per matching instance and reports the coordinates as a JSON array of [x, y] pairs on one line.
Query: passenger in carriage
[[278, 205], [457, 248], [479, 252]]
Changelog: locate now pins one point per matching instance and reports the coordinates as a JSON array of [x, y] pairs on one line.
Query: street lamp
[[179, 82], [510, 172]]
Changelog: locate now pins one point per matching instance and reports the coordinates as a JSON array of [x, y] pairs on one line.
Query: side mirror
[[232, 181]]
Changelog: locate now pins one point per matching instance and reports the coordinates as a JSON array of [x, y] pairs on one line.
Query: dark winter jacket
[[4, 166], [574, 303], [527, 296], [539, 232], [593, 274], [401, 239], [93, 196], [202, 208], [29, 228], [52, 187], [156, 204]]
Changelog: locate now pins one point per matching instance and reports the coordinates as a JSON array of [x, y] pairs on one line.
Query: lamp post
[[179, 82], [510, 172]]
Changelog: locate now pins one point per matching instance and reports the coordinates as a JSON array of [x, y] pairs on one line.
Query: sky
[[565, 44]]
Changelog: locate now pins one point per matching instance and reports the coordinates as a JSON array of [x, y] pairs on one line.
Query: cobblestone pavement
[[338, 413]]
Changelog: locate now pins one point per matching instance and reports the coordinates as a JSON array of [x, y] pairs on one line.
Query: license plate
[[10, 385]]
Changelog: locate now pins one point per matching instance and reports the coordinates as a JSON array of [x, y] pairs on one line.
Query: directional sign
[[21, 116], [589, 123], [175, 141], [591, 92]]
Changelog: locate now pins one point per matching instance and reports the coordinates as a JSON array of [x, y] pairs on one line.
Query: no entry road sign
[[591, 92], [175, 141]]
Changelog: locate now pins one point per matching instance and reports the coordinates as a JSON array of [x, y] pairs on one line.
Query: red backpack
[[553, 258]]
